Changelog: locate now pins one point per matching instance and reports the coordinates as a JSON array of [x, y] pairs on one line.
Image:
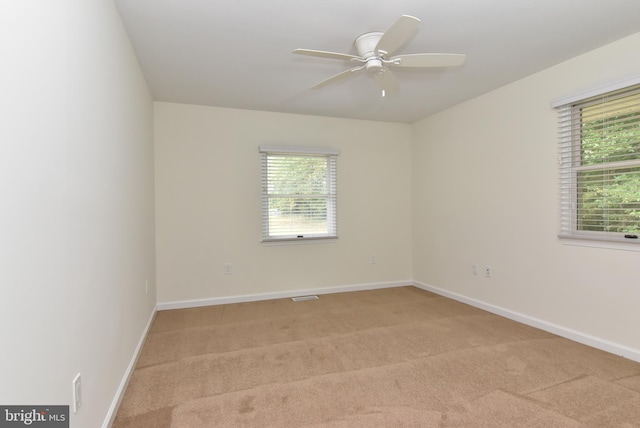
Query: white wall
[[76, 217], [208, 203], [485, 191]]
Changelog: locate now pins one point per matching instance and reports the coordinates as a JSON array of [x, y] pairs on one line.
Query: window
[[600, 166], [298, 193]]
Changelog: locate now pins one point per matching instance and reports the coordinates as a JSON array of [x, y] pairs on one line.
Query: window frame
[[571, 164], [331, 156]]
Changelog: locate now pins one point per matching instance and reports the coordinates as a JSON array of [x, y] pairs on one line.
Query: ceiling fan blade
[[428, 60], [337, 77], [387, 82], [398, 34], [325, 54]]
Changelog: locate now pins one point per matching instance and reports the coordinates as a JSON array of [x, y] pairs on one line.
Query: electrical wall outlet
[[77, 393], [487, 271], [228, 268], [374, 259]]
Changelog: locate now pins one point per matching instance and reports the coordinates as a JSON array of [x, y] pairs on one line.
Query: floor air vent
[[301, 298]]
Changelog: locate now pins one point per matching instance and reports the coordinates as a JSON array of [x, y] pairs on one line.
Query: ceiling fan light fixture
[[374, 65], [375, 50]]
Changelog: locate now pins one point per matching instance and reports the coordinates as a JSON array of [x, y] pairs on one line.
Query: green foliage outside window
[[609, 197], [298, 192]]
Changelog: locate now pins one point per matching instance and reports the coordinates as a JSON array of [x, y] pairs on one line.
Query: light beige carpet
[[398, 357]]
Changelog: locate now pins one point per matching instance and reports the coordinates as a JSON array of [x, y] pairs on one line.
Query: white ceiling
[[237, 53]]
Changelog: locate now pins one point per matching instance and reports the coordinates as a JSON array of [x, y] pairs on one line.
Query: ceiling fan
[[374, 55]]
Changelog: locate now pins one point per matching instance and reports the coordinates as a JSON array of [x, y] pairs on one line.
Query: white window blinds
[[299, 193], [599, 155]]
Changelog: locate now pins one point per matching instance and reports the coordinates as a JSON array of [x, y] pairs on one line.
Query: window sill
[[606, 243], [299, 241]]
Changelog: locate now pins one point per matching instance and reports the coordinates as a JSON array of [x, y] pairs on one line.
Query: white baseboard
[[181, 304], [576, 336], [117, 399]]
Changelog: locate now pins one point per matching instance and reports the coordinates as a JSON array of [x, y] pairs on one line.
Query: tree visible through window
[[600, 165], [298, 193]]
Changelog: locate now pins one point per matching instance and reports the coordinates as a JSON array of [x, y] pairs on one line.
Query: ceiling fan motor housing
[[366, 48], [366, 44]]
